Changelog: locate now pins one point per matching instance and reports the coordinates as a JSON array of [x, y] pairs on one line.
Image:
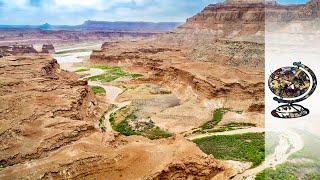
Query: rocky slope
[[198, 84], [227, 33], [48, 130], [218, 53], [243, 20], [171, 65], [42, 108], [48, 48]]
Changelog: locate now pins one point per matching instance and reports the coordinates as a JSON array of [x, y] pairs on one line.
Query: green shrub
[[155, 132], [3, 164], [239, 147], [124, 128], [136, 75], [280, 173], [111, 73], [217, 117], [261, 175], [98, 90], [240, 125], [82, 70], [146, 129], [102, 123]]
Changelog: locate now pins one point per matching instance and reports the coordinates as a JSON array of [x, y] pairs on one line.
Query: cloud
[[78, 11]]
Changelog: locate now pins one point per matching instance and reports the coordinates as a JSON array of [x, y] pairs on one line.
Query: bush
[[98, 90], [111, 73], [146, 129], [82, 70], [217, 117], [239, 147]]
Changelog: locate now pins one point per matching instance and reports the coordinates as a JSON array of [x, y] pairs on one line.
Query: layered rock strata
[[48, 130]]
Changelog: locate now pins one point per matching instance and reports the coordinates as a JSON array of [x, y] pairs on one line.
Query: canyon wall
[[49, 130], [16, 50], [26, 36], [229, 20], [219, 53]]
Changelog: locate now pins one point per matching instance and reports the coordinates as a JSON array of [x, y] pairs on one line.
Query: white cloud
[[78, 11], [94, 4], [15, 3], [79, 3]]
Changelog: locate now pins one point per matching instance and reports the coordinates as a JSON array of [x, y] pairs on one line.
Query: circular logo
[[289, 82]]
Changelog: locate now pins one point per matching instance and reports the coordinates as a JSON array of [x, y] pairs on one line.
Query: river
[[68, 61], [289, 143]]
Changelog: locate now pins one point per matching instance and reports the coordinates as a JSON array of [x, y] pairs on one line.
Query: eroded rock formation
[[42, 108], [27, 36], [48, 129], [243, 20], [48, 48], [219, 53], [17, 50]]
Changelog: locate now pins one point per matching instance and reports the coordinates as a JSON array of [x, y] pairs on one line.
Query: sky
[[74, 12]]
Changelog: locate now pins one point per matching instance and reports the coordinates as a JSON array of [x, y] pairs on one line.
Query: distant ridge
[[103, 25]]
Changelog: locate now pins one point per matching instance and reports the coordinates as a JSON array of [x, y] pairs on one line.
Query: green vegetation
[[82, 70], [211, 126], [220, 129], [154, 132], [217, 117], [238, 112], [102, 123], [125, 121], [103, 78], [313, 176], [291, 171], [165, 92], [240, 125], [239, 147], [111, 73], [3, 165], [98, 90], [112, 107], [304, 164], [136, 75], [261, 175], [282, 172], [123, 127]]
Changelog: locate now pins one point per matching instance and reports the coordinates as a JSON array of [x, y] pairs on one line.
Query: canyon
[[59, 37], [53, 114], [161, 90]]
